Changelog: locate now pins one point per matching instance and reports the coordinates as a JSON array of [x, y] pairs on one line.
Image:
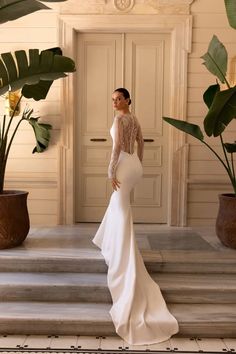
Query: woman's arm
[[139, 139], [116, 148]]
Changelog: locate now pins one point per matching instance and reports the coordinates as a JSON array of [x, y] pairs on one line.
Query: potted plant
[[221, 105], [33, 74]]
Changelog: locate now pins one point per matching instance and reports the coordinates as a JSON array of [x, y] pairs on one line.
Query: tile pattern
[[76, 344]]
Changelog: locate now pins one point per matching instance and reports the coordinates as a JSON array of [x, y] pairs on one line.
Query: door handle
[[98, 139], [148, 140]]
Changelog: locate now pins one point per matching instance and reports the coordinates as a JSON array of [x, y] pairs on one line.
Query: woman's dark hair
[[124, 92]]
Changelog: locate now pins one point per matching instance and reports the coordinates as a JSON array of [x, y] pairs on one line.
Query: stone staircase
[[68, 295]]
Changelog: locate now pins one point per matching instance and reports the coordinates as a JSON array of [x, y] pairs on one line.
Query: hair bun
[[124, 92]]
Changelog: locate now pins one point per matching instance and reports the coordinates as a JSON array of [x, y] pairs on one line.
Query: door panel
[[147, 77], [139, 62], [99, 61]]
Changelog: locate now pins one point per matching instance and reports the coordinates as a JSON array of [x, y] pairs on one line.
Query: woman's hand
[[115, 184]]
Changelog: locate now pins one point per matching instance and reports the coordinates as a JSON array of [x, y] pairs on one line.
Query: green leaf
[[230, 6], [13, 9], [231, 148], [39, 90], [10, 66], [189, 128], [216, 59], [221, 112], [47, 66], [210, 93], [42, 134]]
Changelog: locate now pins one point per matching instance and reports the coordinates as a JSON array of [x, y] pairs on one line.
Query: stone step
[[21, 261], [91, 261], [90, 287], [196, 320]]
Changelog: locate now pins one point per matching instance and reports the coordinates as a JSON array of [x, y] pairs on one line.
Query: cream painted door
[[139, 62]]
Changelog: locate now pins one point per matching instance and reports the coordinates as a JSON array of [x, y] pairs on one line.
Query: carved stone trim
[[160, 7], [123, 5]]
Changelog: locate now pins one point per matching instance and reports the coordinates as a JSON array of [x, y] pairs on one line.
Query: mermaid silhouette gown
[[139, 312]]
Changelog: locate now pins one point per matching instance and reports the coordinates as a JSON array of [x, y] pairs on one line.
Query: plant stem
[[225, 154], [12, 137], [2, 163], [218, 156], [2, 174], [232, 163], [4, 150], [233, 171], [12, 115], [3, 126], [230, 172], [227, 83], [228, 169]]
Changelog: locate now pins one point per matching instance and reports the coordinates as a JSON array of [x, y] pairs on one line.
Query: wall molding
[[209, 184], [180, 28], [22, 181]]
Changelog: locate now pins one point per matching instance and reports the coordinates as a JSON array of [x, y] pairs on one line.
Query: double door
[[139, 62]]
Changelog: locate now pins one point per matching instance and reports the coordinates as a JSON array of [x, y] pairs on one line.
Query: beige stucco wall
[[36, 173], [39, 174], [206, 176]]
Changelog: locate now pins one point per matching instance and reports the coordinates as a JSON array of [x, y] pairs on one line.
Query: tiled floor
[[18, 343]]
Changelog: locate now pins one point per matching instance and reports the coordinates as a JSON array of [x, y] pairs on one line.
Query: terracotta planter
[[226, 220], [14, 218]]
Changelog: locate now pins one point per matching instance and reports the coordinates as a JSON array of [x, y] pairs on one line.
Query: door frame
[[180, 29]]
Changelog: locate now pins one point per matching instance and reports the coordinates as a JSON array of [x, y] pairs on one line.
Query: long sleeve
[[117, 142], [139, 139]]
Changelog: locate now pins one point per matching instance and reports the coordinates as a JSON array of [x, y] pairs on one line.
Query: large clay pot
[[226, 220], [14, 218]]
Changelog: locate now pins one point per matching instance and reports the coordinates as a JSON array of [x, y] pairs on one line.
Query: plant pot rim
[[227, 195], [7, 193]]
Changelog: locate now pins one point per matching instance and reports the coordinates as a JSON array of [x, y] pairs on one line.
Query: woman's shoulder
[[125, 116], [120, 119], [118, 116]]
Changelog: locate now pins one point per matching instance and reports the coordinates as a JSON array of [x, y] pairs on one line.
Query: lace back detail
[[125, 131], [131, 137]]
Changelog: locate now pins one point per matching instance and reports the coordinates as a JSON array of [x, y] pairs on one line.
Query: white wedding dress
[[139, 312]]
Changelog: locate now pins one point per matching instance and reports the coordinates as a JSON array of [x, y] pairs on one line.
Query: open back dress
[[139, 312]]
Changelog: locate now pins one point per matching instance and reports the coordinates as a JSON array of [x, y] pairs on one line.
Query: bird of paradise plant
[[31, 72], [221, 103]]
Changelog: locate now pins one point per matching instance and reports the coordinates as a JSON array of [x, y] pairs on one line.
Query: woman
[[139, 312]]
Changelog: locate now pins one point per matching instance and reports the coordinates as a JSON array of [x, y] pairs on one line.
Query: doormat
[[179, 241]]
